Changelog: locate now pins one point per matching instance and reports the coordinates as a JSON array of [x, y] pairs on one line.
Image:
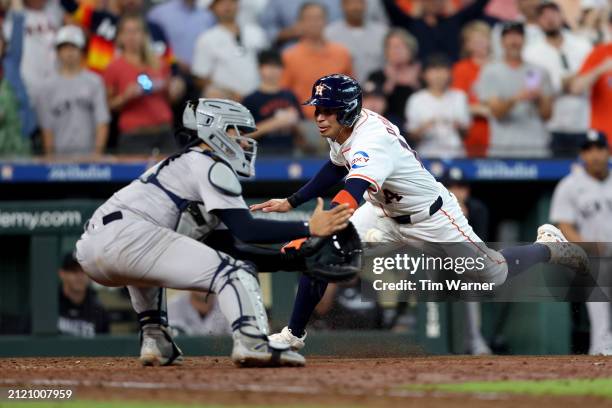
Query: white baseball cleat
[[603, 347], [563, 252], [157, 347], [257, 352], [286, 337]]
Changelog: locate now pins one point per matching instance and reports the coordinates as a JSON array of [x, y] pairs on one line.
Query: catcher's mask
[[221, 123]]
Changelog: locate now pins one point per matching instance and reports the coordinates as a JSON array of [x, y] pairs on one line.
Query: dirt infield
[[325, 381]]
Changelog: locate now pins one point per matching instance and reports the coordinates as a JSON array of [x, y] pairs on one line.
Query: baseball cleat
[[254, 352], [287, 338], [157, 347], [563, 252]]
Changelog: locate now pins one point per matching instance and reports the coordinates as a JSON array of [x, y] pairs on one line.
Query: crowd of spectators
[[461, 78]]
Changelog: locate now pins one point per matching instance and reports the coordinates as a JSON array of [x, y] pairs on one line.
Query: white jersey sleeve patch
[[371, 162]]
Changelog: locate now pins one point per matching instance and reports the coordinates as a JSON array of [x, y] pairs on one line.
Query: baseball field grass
[[598, 387]]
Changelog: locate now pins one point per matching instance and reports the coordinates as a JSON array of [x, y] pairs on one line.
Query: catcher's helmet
[[339, 92], [210, 120]]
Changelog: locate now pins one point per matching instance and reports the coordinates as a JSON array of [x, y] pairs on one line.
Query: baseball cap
[[547, 5], [70, 264], [372, 88], [453, 176], [70, 34], [513, 27], [594, 138]]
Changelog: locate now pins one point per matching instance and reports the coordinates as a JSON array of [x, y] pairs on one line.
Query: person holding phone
[[519, 96], [137, 89]]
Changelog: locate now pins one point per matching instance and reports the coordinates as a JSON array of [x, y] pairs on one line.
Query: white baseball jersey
[[585, 202], [399, 185], [377, 153]]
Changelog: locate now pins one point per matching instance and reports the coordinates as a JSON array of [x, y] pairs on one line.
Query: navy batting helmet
[[339, 92]]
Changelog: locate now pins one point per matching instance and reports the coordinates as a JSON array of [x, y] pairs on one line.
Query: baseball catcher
[[131, 240]]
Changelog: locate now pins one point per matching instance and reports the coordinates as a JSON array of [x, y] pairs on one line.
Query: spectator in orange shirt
[[476, 38], [596, 76], [313, 56]]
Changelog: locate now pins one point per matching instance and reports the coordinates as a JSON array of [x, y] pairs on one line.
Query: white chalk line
[[255, 388]]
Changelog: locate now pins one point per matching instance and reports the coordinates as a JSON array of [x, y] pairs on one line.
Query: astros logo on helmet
[[319, 89]]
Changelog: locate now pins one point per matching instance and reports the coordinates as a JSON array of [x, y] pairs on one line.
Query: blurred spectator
[[399, 77], [137, 88], [250, 11], [344, 308], [476, 50], [438, 116], [477, 214], [364, 39], [182, 21], [71, 105], [529, 18], [276, 110], [225, 56], [375, 100], [102, 26], [503, 9], [38, 58], [596, 77], [435, 31], [581, 209], [562, 53], [520, 98], [17, 120], [282, 24], [197, 314], [593, 21], [80, 311], [313, 56]]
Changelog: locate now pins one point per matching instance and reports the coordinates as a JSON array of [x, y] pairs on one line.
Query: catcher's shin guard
[[241, 302]]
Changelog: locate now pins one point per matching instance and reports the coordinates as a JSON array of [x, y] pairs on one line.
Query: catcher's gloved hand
[[334, 258]]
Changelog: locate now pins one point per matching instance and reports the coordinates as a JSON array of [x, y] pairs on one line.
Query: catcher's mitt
[[334, 258]]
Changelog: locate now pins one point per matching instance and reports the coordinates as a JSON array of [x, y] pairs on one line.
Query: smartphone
[[145, 83], [533, 79]]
